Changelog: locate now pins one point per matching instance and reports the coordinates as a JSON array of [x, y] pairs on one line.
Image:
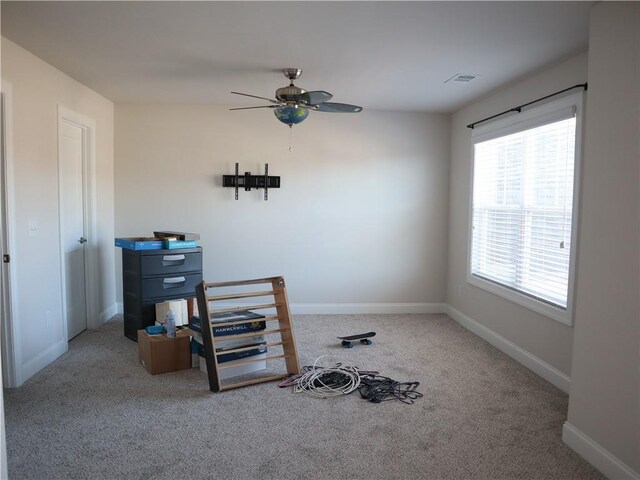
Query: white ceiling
[[381, 55]]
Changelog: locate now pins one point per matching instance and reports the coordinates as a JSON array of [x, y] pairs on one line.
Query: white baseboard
[[342, 308], [596, 455], [350, 308], [365, 308], [108, 313], [533, 363], [33, 366]]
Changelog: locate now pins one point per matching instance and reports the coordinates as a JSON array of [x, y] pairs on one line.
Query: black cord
[[332, 379], [373, 387], [377, 389]]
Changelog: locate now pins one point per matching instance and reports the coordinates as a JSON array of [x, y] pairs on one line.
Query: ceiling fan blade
[[315, 97], [250, 108], [255, 96], [338, 108]]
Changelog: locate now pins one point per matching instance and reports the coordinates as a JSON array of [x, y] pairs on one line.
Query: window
[[522, 225]]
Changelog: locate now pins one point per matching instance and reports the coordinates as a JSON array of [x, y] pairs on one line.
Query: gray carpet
[[96, 413]]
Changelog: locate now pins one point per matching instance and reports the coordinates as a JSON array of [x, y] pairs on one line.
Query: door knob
[[82, 240]]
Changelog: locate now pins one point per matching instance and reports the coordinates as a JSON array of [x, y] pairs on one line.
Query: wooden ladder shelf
[[284, 328]]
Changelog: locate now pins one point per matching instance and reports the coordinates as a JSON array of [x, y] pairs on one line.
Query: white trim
[[575, 219], [533, 363], [508, 125], [109, 312], [543, 308], [596, 455], [11, 346], [119, 308], [365, 308], [37, 363], [88, 126]]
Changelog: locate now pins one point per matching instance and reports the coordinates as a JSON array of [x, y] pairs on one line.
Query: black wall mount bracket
[[248, 181]]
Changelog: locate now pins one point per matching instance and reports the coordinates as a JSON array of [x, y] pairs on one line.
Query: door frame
[[88, 127], [11, 348]]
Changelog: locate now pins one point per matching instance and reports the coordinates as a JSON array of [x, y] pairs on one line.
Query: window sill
[[556, 313]]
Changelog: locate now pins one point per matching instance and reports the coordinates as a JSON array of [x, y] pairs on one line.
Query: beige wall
[[361, 217], [36, 91], [604, 402], [547, 339]]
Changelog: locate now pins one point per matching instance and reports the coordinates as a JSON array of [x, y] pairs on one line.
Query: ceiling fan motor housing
[[292, 73], [290, 93]]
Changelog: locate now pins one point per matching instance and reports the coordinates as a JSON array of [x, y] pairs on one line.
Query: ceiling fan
[[292, 104]]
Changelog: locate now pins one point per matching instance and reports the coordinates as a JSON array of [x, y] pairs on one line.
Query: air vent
[[461, 78]]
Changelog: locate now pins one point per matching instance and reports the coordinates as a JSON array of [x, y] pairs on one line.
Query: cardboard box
[[194, 323], [179, 308], [257, 341], [160, 354], [192, 308], [176, 244], [178, 235], [140, 243], [234, 368]]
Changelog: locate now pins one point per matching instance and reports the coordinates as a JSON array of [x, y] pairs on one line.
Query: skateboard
[[363, 337]]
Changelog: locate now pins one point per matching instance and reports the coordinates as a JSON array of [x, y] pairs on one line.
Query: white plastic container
[[170, 324]]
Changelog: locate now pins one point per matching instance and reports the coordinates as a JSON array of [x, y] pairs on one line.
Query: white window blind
[[522, 207]]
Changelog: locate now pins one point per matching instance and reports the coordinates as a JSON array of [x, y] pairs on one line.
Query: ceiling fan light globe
[[291, 115]]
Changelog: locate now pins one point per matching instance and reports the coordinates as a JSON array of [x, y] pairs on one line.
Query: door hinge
[[6, 258]]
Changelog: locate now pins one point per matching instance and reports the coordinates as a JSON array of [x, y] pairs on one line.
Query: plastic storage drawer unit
[[153, 276]]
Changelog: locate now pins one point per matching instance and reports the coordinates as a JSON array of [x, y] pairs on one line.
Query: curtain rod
[[520, 107]]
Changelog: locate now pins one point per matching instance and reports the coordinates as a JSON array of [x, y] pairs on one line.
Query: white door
[[6, 332], [71, 164]]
